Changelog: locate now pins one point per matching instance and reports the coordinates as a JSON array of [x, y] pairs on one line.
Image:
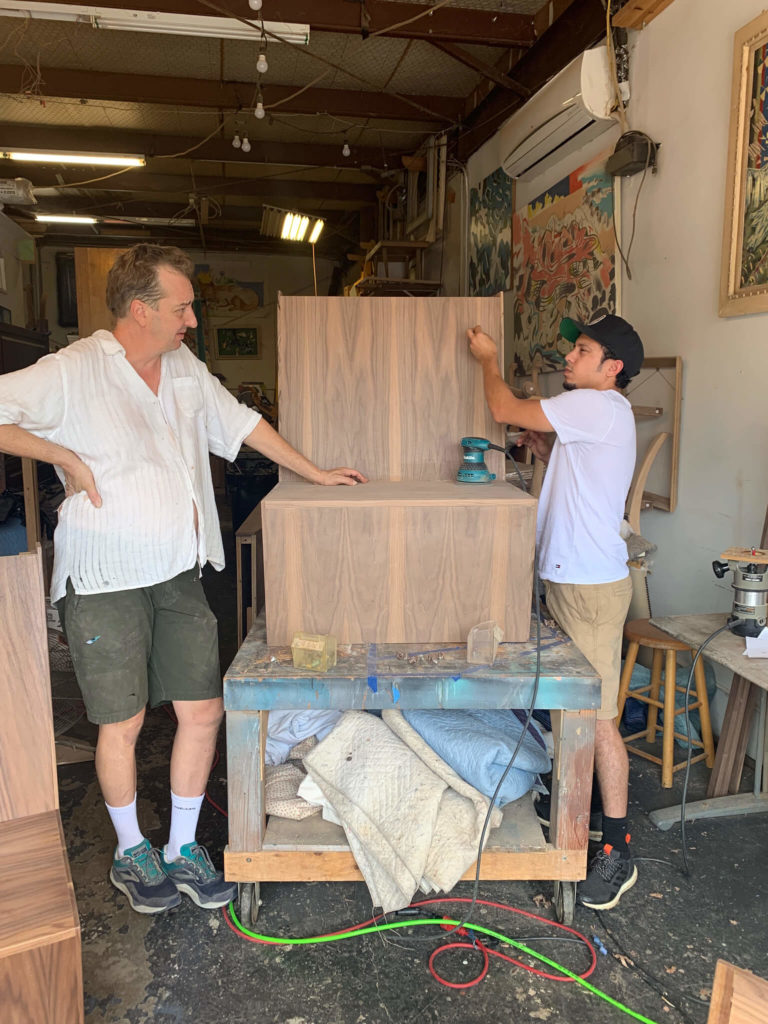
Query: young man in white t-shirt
[[587, 435]]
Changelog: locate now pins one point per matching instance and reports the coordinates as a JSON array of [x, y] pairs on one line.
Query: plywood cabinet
[[397, 562], [388, 385]]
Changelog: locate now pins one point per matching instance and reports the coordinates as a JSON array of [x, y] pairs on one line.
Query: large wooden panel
[[398, 562], [28, 762], [91, 269], [386, 385]]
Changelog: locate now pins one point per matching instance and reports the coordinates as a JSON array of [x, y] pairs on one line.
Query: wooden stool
[[640, 633]]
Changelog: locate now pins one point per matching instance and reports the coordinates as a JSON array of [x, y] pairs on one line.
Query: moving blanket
[[410, 820], [479, 744]]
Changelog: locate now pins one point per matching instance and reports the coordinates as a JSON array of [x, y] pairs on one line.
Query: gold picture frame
[[744, 268]]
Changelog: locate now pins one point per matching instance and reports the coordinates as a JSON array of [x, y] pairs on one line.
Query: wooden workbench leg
[[239, 566], [574, 737], [734, 734], [246, 735], [668, 738]]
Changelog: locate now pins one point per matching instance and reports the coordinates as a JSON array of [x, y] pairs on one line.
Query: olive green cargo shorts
[[153, 644]]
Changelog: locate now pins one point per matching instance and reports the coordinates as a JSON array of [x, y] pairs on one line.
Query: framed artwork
[[563, 264], [236, 343], [744, 272]]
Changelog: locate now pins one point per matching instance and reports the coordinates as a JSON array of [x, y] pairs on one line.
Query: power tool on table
[[750, 588], [474, 469]]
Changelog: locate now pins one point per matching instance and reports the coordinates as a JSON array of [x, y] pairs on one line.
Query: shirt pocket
[[188, 395]]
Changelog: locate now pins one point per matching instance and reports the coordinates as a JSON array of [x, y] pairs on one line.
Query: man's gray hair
[[133, 275]]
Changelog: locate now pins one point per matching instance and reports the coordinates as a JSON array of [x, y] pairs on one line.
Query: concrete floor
[[662, 941]]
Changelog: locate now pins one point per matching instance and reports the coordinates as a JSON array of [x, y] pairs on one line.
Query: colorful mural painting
[[563, 254], [490, 208]]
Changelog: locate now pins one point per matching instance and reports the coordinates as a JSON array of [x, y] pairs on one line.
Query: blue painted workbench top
[[379, 676]]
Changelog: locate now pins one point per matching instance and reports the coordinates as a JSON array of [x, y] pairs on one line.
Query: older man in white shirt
[[128, 418]]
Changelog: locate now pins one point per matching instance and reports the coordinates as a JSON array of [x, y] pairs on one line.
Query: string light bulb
[[255, 5], [246, 146], [345, 150], [261, 64], [236, 141], [259, 111]]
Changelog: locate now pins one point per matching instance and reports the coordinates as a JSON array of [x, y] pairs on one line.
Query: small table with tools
[[748, 691], [381, 676]]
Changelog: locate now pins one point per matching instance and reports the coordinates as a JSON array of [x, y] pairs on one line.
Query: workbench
[[749, 692], [378, 676]]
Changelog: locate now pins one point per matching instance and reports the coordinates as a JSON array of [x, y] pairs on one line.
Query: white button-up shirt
[[148, 454]]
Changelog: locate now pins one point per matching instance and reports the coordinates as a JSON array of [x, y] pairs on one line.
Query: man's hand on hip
[[78, 477]]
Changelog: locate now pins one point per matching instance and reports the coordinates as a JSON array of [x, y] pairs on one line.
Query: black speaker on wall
[[66, 289]]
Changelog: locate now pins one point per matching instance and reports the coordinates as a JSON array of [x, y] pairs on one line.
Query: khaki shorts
[[153, 644], [593, 616]]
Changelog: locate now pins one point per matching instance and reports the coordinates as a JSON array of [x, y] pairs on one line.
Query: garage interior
[[423, 142]]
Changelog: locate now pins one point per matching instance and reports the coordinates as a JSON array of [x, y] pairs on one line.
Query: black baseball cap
[[615, 333]]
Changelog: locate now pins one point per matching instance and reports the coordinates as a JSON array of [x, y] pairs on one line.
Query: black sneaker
[[193, 873], [543, 804], [138, 875], [609, 876]]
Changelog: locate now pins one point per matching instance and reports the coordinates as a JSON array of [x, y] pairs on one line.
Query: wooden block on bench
[[398, 562]]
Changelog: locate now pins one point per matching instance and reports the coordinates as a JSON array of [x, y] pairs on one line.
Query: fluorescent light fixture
[[295, 227], [154, 21], [290, 225], [63, 157], [63, 218]]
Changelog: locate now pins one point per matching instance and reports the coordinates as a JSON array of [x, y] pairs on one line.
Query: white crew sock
[[126, 825], [185, 810]]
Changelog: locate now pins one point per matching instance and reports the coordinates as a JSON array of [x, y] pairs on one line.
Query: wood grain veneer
[[28, 763], [397, 561], [91, 269], [386, 385], [40, 971]]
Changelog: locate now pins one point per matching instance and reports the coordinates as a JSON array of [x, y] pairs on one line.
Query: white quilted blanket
[[410, 820]]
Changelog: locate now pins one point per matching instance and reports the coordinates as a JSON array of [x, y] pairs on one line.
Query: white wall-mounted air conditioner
[[571, 110]]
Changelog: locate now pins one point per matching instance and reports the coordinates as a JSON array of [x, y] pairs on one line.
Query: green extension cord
[[372, 929]]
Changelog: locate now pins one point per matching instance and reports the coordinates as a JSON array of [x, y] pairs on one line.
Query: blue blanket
[[479, 744]]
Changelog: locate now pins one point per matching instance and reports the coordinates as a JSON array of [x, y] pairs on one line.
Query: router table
[[373, 677]]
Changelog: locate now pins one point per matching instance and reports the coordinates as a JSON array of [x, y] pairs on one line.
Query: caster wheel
[[565, 901], [248, 903]]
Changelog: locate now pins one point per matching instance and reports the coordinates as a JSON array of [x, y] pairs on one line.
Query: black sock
[[615, 834]]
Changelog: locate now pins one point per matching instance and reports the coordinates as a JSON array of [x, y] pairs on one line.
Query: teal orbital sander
[[474, 469]]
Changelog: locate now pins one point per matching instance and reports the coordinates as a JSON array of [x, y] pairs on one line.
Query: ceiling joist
[[454, 24], [196, 92], [101, 140]]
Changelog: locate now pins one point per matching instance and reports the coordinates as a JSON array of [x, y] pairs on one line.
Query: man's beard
[[568, 386]]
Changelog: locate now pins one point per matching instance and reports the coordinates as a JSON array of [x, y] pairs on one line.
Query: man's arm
[[266, 440], [15, 440], [504, 406]]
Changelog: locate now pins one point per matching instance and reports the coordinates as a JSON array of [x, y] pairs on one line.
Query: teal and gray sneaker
[[193, 873], [139, 876]]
